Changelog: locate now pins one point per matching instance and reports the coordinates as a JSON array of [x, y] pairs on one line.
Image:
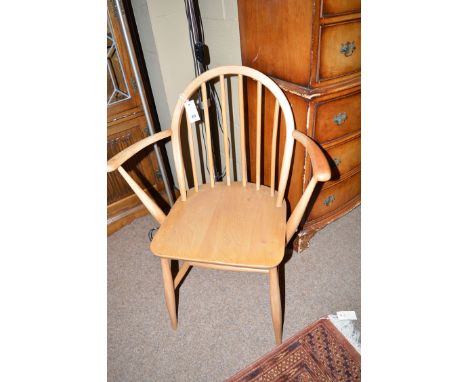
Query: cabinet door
[[126, 125], [122, 93], [141, 166]]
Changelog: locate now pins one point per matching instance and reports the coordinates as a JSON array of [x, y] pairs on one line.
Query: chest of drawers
[[312, 49]]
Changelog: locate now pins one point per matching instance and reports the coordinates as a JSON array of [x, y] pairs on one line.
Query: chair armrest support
[[320, 173], [115, 163], [148, 202], [117, 160]]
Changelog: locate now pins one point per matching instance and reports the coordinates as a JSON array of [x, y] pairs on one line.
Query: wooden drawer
[[340, 50], [337, 7], [337, 117], [333, 198], [344, 157]]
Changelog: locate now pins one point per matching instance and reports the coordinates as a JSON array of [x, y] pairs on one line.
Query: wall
[[163, 30], [221, 28]]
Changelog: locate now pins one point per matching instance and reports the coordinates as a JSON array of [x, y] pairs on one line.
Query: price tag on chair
[[192, 111]]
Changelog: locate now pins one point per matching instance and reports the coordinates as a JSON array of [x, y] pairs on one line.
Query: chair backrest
[[281, 102]]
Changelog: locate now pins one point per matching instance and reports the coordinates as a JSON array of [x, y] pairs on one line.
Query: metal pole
[[131, 50]]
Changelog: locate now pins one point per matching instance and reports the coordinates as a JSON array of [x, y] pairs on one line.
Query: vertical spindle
[[192, 153], [242, 130], [273, 148], [259, 133], [227, 159], [208, 134]]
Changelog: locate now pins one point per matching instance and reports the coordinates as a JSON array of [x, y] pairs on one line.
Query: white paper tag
[[192, 111], [346, 315]]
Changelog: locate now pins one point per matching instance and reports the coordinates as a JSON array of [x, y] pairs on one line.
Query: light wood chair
[[235, 226]]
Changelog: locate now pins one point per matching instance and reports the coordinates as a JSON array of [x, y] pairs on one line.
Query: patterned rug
[[317, 353]]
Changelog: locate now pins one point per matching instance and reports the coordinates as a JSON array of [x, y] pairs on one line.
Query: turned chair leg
[[169, 291], [275, 300]]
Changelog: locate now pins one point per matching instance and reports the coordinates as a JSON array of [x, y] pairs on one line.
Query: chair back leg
[[275, 300]]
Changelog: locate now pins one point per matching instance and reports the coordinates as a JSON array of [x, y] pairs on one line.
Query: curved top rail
[[230, 70]]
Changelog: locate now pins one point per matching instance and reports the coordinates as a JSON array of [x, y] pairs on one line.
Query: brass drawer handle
[[337, 161], [329, 200], [348, 48], [340, 118]]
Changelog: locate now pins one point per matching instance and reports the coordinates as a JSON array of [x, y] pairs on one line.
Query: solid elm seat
[[229, 225]]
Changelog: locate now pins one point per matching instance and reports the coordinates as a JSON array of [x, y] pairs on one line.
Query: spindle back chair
[[230, 225]]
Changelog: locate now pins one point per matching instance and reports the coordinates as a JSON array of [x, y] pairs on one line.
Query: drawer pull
[[329, 200], [337, 161], [340, 118], [348, 48]]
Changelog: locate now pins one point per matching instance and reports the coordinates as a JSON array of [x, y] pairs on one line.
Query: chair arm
[[320, 173], [320, 167], [116, 163], [127, 153]]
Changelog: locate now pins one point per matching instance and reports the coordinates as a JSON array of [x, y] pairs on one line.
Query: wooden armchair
[[235, 226]]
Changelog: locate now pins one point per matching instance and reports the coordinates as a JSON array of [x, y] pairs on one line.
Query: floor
[[224, 317]]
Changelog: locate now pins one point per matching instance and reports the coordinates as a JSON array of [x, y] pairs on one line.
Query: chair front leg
[[169, 291], [275, 300]]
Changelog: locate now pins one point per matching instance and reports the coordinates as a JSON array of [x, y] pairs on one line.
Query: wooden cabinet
[[337, 7], [126, 124], [312, 49]]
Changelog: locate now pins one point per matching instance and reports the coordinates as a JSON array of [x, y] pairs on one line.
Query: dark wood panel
[[300, 109], [140, 167], [336, 7], [120, 109], [276, 37]]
